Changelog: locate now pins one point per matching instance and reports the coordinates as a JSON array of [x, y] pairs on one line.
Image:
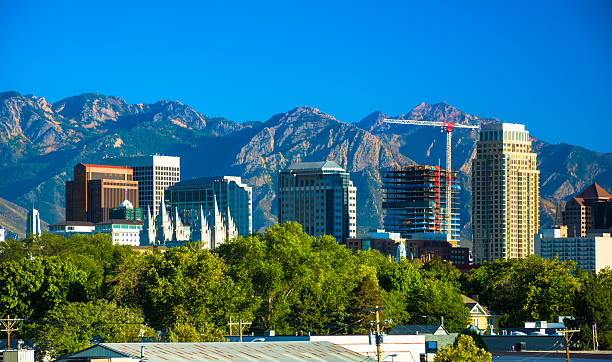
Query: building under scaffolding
[[415, 201]]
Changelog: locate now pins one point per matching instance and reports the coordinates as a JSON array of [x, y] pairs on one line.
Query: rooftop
[[105, 166], [121, 221], [204, 181], [307, 166], [73, 223], [226, 351], [419, 329], [594, 192]]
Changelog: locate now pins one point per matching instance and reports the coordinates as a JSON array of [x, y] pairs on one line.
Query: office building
[[414, 201], [33, 223], [589, 212], [96, 189], [505, 193], [592, 252], [232, 199], [154, 174], [321, 197], [69, 228]]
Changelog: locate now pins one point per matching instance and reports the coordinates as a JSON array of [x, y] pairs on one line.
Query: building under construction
[[415, 201]]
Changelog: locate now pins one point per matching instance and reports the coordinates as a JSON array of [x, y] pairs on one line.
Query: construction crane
[[448, 127]]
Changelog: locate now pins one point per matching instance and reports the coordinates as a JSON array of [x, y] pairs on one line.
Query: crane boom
[[429, 123], [448, 127]]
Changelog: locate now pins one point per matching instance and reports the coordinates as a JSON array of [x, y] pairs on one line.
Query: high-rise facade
[[154, 174], [505, 193], [33, 223], [589, 212], [96, 189], [321, 197], [228, 194], [414, 201]]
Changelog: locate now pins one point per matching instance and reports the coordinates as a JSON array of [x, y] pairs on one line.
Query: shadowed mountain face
[[41, 142]]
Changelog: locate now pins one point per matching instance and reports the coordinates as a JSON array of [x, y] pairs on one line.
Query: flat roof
[[105, 166], [322, 165], [206, 181], [73, 223], [120, 221]]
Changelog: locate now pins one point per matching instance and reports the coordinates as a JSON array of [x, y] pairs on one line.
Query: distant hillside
[[13, 217], [41, 142]]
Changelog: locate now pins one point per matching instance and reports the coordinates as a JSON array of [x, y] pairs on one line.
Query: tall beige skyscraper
[[505, 193]]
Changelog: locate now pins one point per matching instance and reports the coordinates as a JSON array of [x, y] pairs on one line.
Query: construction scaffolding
[[415, 199]]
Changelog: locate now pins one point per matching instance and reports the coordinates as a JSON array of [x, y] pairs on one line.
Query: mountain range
[[40, 142]]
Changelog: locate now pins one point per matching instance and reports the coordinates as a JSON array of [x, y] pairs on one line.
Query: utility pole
[[9, 327], [595, 341], [567, 338], [230, 325], [376, 310], [241, 324]]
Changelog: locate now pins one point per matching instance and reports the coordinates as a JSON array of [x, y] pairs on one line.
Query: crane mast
[[448, 127]]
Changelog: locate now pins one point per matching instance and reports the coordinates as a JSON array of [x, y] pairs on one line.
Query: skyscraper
[[96, 189], [228, 194], [154, 174], [505, 193], [415, 201], [589, 212], [33, 223], [321, 197]]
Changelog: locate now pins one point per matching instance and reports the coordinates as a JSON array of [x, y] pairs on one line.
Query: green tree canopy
[[301, 283], [185, 287], [465, 350], [593, 306], [525, 289], [70, 327], [31, 288]]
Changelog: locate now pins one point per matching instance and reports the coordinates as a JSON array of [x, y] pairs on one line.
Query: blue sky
[[545, 64]]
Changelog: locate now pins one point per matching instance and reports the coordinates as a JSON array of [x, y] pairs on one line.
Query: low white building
[[400, 347], [394, 347], [2, 235], [592, 252], [122, 232], [69, 228]]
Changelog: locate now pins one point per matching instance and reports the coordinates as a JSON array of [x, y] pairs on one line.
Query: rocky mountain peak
[[299, 115], [372, 121]]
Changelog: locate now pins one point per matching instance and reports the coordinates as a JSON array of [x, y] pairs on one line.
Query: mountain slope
[[41, 142]]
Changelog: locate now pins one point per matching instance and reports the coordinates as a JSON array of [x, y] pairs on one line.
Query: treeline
[[72, 291]]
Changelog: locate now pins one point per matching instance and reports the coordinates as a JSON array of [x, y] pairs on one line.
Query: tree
[[122, 280], [301, 283], [367, 294], [94, 254], [478, 340], [593, 305], [13, 250], [436, 300], [31, 288], [442, 270], [525, 289], [70, 327], [464, 349], [183, 286]]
